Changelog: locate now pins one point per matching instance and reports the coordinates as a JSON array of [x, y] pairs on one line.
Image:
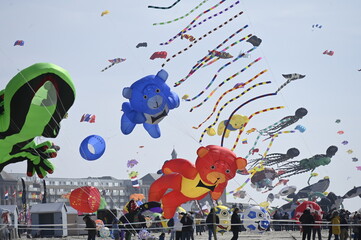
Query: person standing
[[90, 227], [335, 221], [211, 221], [115, 229], [178, 226], [187, 229], [317, 228], [344, 228], [235, 224], [306, 220]]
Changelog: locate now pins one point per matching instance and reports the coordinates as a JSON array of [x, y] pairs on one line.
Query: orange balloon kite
[[85, 199]]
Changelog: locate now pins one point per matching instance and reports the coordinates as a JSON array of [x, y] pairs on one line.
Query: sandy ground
[[243, 235]]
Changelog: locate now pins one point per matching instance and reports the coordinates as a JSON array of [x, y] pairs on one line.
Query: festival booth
[[14, 215], [54, 218]]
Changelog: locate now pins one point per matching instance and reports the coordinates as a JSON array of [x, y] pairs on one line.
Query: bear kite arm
[[216, 194], [181, 166]]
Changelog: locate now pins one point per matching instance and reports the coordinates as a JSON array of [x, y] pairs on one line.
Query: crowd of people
[[341, 225]]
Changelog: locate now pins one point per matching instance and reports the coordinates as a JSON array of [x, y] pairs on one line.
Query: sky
[[74, 35]]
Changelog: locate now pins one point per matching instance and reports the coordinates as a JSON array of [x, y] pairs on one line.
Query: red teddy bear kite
[[214, 167]]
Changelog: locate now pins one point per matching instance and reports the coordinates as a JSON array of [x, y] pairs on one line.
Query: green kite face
[[33, 104]]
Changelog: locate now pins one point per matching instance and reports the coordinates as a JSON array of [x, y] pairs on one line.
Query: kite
[[179, 18], [255, 41], [256, 218], [290, 77], [239, 194], [237, 122], [142, 44], [284, 122], [131, 163], [349, 151], [92, 147], [340, 132], [358, 168], [314, 207], [320, 186], [300, 128], [162, 54], [354, 159], [189, 37], [308, 164], [88, 118], [156, 7], [329, 53], [113, 62], [270, 197], [251, 131], [263, 179], [105, 13], [33, 104], [355, 192], [286, 191], [344, 142], [150, 100], [19, 43], [223, 55], [133, 175], [214, 167], [275, 158], [85, 199], [337, 121], [316, 26]]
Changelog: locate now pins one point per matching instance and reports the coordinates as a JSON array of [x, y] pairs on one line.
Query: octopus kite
[[308, 164], [284, 122], [275, 158], [33, 104]]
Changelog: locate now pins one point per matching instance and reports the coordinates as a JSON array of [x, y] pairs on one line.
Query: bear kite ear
[[127, 92], [202, 151], [163, 75], [241, 163]]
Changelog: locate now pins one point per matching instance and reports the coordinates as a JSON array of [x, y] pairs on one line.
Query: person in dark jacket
[[187, 229], [211, 221], [306, 220], [235, 223], [90, 227]]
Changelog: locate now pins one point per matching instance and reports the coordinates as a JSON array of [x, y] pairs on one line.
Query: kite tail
[[108, 67], [190, 24], [186, 15], [273, 138], [200, 38], [221, 84], [224, 105], [209, 56], [156, 7]]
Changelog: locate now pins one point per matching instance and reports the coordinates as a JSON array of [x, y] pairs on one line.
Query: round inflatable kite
[[85, 199], [92, 147]]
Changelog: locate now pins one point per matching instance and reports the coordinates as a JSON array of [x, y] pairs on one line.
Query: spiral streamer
[[156, 7]]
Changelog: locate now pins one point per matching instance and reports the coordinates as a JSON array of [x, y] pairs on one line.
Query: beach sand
[[227, 236]]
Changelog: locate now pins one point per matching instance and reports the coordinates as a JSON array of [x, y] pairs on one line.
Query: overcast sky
[[74, 35]]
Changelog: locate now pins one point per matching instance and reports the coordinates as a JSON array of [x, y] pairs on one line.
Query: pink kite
[[162, 54]]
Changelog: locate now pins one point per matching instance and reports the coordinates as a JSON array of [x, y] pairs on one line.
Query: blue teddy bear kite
[[150, 100]]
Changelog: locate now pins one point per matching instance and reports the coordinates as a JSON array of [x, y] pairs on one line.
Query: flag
[[14, 194], [20, 194], [6, 196], [244, 141]]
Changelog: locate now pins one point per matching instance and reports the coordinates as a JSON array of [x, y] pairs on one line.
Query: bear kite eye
[[228, 171], [157, 90], [145, 96], [213, 167]]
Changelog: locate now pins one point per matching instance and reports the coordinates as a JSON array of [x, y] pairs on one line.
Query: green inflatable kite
[[33, 104]]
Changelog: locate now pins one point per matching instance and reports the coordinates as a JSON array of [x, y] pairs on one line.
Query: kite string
[[179, 18], [225, 93]]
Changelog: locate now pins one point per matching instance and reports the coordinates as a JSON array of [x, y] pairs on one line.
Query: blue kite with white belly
[[150, 100]]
